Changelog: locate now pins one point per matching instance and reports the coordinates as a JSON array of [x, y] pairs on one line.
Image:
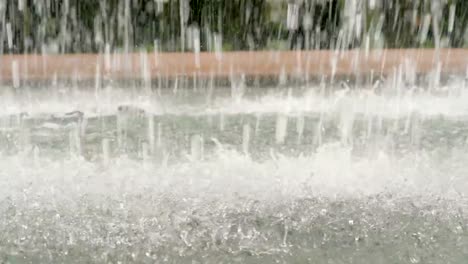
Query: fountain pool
[[273, 176]]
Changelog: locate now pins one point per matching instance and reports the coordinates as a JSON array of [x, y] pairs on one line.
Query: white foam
[[330, 172], [409, 100]]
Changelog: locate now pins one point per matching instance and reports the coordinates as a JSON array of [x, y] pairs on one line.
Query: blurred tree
[[56, 26]]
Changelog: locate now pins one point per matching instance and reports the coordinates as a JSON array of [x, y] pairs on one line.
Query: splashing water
[[371, 170], [125, 180]]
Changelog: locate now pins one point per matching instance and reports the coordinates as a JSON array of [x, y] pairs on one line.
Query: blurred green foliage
[[89, 26]]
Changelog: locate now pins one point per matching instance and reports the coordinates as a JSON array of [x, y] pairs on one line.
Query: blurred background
[[76, 26]]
